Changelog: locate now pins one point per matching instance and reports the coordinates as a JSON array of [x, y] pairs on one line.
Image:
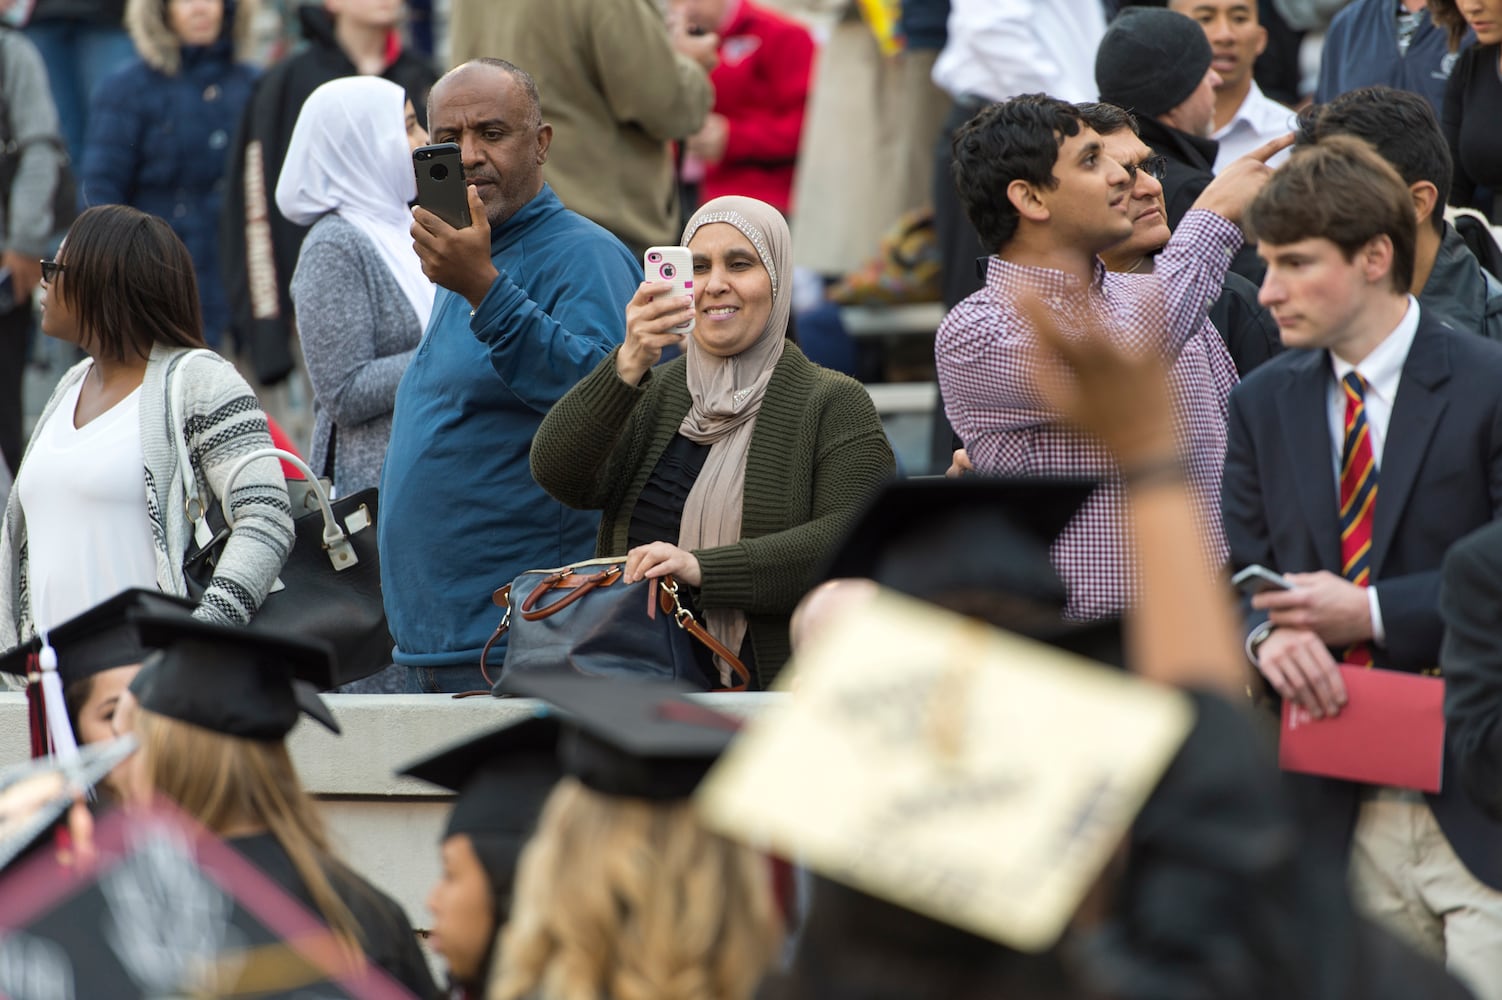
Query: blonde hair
[[634, 900], [226, 781]]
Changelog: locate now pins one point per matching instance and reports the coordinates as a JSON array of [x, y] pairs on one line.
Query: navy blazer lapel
[[1306, 436], [1415, 415]]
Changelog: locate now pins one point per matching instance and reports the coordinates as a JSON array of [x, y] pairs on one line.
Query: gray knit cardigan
[[358, 333], [222, 420]]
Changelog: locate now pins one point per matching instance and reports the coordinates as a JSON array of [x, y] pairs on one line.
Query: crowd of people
[[1222, 297]]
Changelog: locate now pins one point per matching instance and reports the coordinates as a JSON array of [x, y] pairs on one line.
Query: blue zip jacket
[[460, 514], [1361, 50]]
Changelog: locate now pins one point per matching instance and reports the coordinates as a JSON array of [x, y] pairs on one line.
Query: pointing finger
[[1271, 148]]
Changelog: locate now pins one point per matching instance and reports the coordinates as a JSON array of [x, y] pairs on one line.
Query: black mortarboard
[[233, 680], [168, 910], [637, 739], [977, 545], [101, 638], [928, 536], [502, 778]]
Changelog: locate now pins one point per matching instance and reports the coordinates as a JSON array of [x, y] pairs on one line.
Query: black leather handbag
[[330, 586], [585, 619]]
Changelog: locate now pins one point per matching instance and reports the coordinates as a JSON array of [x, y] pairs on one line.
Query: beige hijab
[[727, 394]]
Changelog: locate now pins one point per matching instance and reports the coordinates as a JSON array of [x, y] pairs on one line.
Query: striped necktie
[[1358, 500]]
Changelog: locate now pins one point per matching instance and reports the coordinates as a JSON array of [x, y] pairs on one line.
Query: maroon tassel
[[36, 707]]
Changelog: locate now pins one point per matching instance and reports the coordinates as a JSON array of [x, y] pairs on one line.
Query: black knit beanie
[[1151, 60]]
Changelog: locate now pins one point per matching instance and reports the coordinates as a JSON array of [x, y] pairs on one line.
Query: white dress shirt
[[1382, 370], [1001, 48], [1260, 119]]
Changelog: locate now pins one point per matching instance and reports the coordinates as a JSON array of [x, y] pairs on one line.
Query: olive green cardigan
[[817, 454]]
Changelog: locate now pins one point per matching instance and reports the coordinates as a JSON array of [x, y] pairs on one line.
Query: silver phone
[[1259, 580]]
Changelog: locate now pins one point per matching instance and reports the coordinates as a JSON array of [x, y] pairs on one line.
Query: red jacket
[[761, 87]]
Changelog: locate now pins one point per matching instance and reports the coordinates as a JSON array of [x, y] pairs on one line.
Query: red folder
[[1391, 732]]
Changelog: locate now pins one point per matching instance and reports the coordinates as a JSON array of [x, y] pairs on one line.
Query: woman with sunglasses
[[101, 503]]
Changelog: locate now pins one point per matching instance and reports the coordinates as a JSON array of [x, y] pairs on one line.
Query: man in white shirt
[[996, 50], [1245, 118], [1354, 460]]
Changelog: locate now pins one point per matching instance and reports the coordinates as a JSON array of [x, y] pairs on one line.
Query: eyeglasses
[[51, 269], [1155, 166]]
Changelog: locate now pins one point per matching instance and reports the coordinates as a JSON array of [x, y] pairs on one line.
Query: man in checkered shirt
[[1040, 189]]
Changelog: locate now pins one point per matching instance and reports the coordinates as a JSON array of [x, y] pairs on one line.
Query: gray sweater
[[358, 332], [28, 223]]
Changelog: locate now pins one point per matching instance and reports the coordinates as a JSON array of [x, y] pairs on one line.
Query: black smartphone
[[440, 182]]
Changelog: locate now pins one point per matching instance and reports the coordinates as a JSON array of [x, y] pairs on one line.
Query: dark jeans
[[959, 246], [78, 54], [15, 332], [447, 680], [392, 680]]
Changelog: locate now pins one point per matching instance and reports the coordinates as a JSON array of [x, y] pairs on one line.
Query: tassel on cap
[[36, 715], [59, 731]]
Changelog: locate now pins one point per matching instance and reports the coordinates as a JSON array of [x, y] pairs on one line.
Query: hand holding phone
[[440, 182], [674, 265], [1257, 579]]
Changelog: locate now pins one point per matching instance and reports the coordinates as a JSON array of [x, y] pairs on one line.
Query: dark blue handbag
[[584, 619]]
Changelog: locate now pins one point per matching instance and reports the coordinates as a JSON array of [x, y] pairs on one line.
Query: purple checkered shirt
[[988, 373]]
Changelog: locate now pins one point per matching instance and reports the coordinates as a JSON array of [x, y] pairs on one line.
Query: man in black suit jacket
[[1337, 229], [1470, 599]]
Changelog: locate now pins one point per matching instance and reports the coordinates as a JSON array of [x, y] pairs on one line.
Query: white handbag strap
[[194, 505], [335, 541]]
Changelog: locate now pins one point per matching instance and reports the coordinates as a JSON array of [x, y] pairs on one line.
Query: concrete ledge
[[387, 828]]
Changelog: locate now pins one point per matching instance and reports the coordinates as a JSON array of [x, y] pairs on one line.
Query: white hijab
[[349, 154]]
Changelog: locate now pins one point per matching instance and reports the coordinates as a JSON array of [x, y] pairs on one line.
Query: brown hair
[[1340, 190], [634, 900], [130, 282], [1446, 14], [226, 781]]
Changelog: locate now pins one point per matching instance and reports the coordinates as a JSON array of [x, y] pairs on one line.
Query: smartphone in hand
[[440, 182], [1259, 580], [675, 265]]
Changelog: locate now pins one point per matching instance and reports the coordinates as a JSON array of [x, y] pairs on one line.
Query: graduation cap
[[964, 773], [980, 546], [99, 639], [637, 739], [923, 536], [35, 795], [233, 680], [166, 910], [502, 778]]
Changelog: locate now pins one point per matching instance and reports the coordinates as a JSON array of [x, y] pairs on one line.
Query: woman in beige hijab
[[735, 467]]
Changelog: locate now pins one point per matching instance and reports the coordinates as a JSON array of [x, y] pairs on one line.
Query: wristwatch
[[1256, 638]]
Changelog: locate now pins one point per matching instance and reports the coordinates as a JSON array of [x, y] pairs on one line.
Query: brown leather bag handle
[[604, 579], [668, 592]]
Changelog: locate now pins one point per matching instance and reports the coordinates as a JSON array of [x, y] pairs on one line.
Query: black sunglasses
[[1155, 166], [51, 269]]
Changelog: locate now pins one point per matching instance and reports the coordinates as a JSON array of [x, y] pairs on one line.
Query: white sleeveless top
[[84, 500]]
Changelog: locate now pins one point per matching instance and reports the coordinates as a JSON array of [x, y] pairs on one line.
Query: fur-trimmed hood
[[159, 48]]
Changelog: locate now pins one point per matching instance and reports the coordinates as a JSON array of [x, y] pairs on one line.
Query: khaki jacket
[[616, 94]]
